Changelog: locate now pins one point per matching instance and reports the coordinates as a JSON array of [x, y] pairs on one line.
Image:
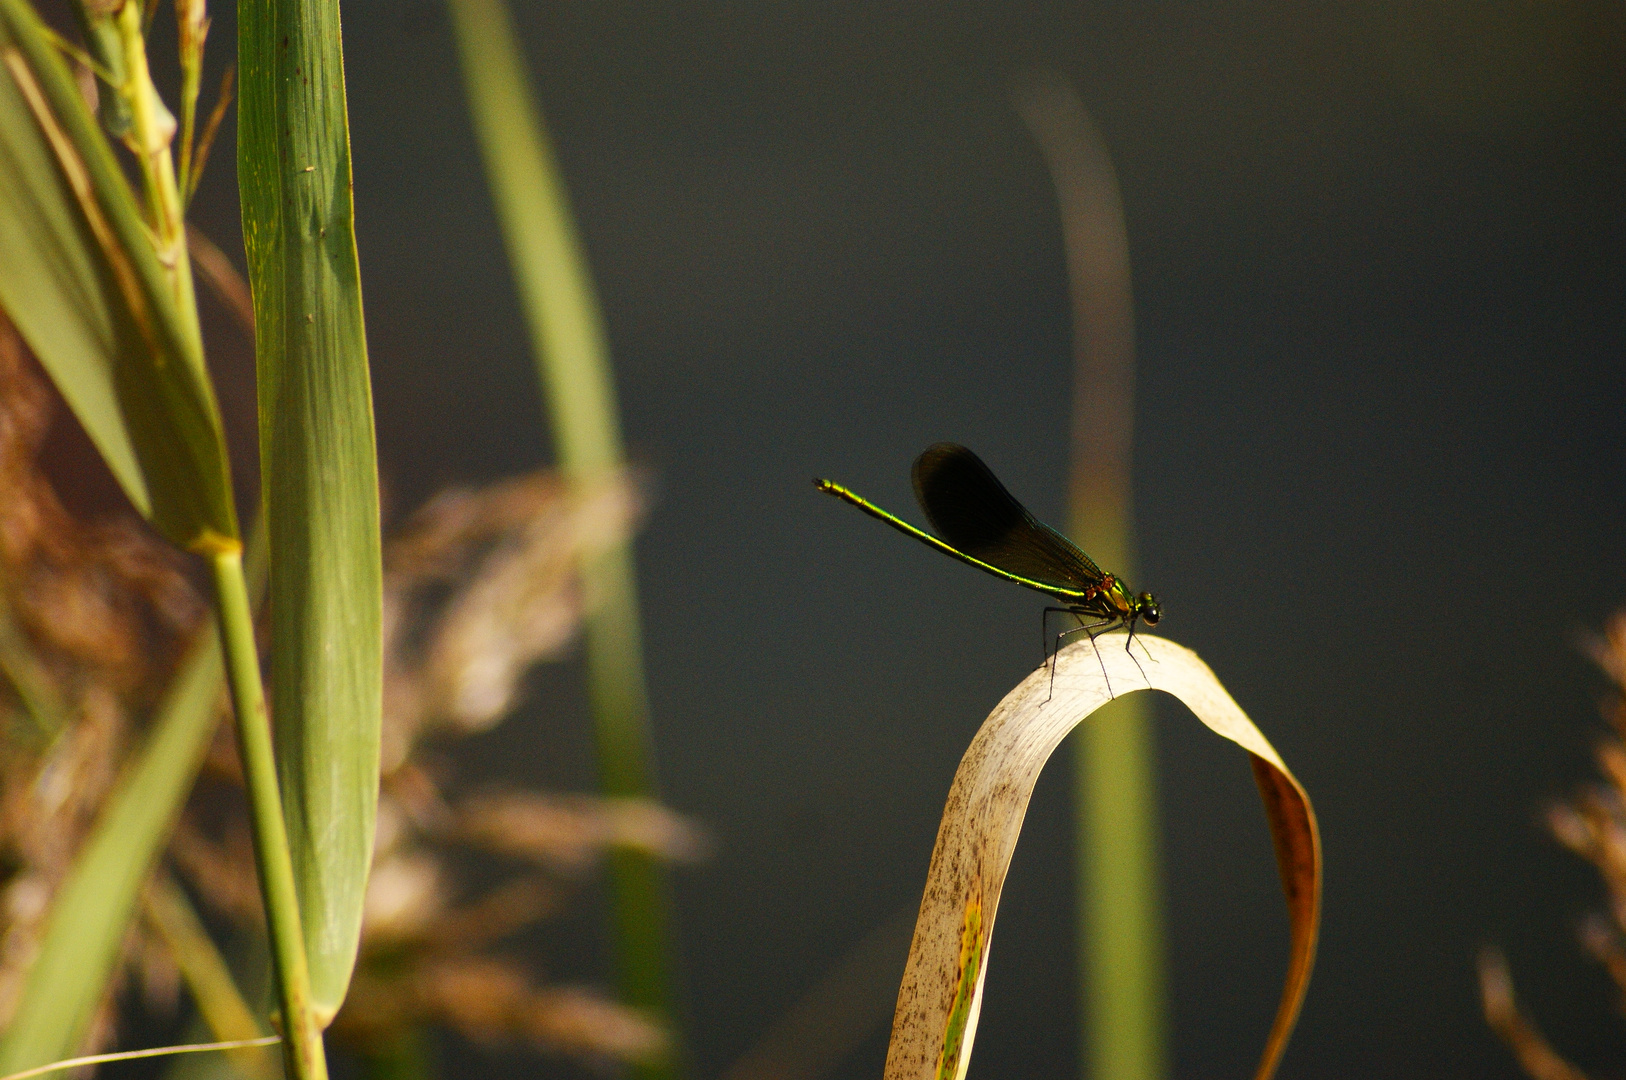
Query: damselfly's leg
[[1143, 648], [1044, 644], [1092, 629], [1044, 631], [1050, 653]]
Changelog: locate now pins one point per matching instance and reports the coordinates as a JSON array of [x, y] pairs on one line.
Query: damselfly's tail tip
[[822, 484]]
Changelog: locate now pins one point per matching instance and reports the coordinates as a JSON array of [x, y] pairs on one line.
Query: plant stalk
[[303, 1055], [573, 365]]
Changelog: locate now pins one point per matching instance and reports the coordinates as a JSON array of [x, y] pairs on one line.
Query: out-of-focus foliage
[[569, 345], [514, 547], [481, 585], [94, 616]]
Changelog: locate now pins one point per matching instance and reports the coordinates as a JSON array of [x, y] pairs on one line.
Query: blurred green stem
[[207, 975], [1119, 893], [101, 36], [303, 1047], [22, 670], [556, 296], [405, 1055], [1119, 899]]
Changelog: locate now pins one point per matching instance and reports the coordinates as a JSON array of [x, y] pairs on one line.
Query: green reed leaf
[[318, 460]]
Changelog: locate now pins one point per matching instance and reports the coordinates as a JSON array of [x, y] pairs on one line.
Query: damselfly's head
[[1146, 608]]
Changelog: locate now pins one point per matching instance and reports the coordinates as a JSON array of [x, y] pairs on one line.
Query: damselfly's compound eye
[[1149, 609]]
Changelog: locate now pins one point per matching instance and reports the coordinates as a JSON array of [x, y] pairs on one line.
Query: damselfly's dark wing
[[971, 510]]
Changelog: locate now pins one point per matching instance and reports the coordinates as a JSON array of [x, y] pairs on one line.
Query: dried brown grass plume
[[1593, 825]]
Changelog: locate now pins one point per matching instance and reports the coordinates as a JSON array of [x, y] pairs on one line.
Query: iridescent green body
[[984, 526]]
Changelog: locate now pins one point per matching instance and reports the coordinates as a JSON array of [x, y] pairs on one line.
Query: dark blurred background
[[1380, 271]]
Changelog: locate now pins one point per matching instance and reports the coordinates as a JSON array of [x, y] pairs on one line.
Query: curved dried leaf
[[941, 995]]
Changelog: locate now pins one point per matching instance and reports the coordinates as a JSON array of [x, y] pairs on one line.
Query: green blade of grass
[[318, 460], [550, 270], [567, 336], [80, 279]]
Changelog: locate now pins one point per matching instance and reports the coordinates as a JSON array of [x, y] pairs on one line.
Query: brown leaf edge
[[935, 1021], [1298, 860]]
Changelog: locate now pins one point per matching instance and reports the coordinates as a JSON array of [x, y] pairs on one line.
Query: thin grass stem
[[304, 1056], [193, 27], [200, 156]]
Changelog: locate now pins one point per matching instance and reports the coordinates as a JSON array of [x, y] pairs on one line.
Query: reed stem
[[303, 1057]]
